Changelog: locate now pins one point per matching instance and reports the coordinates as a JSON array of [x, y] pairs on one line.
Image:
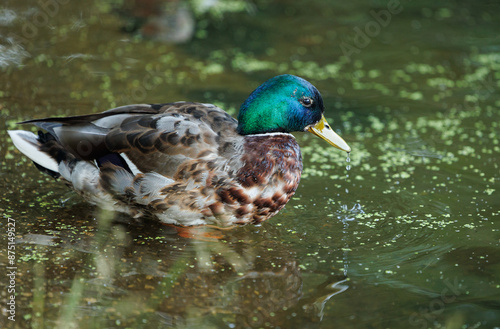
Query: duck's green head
[[286, 103]]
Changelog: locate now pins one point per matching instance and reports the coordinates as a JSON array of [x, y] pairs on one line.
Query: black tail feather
[[52, 147]]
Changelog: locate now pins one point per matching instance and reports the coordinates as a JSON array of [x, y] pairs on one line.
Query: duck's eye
[[306, 101]]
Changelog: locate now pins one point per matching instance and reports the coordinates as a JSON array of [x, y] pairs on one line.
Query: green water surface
[[404, 235]]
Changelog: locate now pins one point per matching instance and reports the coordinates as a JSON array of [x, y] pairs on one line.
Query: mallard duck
[[186, 163]]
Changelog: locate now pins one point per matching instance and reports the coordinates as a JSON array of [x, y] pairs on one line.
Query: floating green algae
[[416, 213]]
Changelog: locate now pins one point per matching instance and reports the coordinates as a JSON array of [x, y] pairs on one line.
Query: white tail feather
[[29, 145]]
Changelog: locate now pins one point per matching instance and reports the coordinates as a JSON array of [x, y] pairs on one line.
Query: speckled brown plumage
[[276, 173]]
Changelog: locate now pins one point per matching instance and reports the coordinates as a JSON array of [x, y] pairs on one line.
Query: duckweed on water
[[424, 131]]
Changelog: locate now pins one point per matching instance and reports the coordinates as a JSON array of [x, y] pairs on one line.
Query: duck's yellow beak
[[322, 129]]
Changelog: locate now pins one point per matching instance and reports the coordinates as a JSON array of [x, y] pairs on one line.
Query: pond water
[[408, 237]]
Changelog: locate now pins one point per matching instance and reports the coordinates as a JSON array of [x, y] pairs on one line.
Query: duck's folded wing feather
[[84, 135], [180, 132], [153, 137]]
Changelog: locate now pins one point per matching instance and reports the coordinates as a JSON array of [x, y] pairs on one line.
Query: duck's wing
[[148, 138]]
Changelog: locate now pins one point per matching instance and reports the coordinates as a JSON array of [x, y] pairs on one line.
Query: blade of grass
[[69, 309]]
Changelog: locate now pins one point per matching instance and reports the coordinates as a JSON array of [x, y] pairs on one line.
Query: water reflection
[[147, 275]]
